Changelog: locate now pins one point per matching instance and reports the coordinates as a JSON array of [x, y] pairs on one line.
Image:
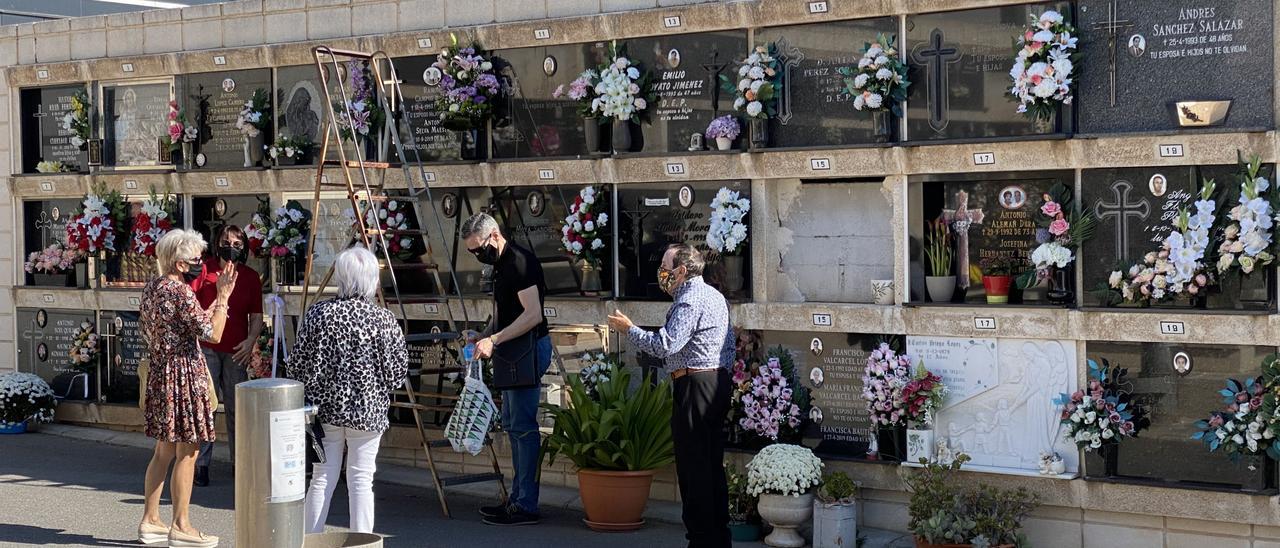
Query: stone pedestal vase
[[724, 143], [835, 525], [941, 288], [621, 135], [733, 278], [919, 443], [785, 514], [253, 149]]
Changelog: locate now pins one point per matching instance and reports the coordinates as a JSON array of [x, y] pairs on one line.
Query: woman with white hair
[[350, 354], [178, 411]]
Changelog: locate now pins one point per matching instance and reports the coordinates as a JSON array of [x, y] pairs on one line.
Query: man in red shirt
[[228, 359]]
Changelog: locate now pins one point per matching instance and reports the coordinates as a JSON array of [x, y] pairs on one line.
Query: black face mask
[[229, 253], [487, 254], [193, 272]]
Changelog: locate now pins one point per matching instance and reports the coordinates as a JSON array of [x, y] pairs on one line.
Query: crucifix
[[961, 218], [936, 58], [44, 223], [637, 216], [39, 116], [713, 78], [1122, 209], [1112, 26]]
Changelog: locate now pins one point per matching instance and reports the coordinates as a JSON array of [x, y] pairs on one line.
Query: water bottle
[[468, 352]]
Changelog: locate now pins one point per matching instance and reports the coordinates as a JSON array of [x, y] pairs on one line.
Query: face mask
[[229, 253], [193, 272], [487, 254], [666, 280]]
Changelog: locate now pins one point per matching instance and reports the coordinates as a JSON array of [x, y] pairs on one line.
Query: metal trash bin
[[343, 540]]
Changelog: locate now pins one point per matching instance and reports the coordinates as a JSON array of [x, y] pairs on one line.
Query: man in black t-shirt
[[518, 292]]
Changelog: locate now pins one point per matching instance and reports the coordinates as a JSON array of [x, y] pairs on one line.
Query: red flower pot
[[997, 288]]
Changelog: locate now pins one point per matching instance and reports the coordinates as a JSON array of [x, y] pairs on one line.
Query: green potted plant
[[943, 515], [835, 513], [940, 279], [744, 523], [25, 399], [997, 278], [616, 440]]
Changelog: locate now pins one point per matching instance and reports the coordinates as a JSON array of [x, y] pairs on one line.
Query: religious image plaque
[[300, 107], [134, 116]]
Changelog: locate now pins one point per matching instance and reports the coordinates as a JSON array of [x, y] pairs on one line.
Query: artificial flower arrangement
[[783, 469], [255, 117], [76, 120], [887, 373], [257, 230], [152, 221], [768, 409], [260, 361], [879, 82], [291, 148], [179, 131], [1247, 241], [728, 232], [723, 131], [1104, 414], [1178, 266], [55, 259], [1060, 231], [393, 216], [1042, 70], [84, 348], [623, 90], [746, 361], [582, 90], [598, 369], [755, 90], [1271, 403], [1241, 428], [25, 397], [583, 233], [93, 228], [288, 233], [468, 86], [922, 396], [365, 117], [51, 166]]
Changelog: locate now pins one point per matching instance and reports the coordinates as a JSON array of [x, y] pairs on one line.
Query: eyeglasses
[[476, 251]]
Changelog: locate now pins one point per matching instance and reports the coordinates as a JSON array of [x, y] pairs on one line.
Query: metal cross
[[39, 124], [1122, 210], [713, 76], [937, 58], [1112, 26]]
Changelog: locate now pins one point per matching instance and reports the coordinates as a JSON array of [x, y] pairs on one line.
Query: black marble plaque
[[532, 217], [214, 101], [685, 72], [45, 339], [812, 109], [530, 122], [43, 139], [300, 103], [124, 350], [453, 206], [421, 133], [1135, 208], [1144, 56], [135, 116], [45, 222], [959, 71], [652, 216]]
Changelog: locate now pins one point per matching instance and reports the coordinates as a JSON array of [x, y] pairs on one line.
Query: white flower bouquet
[[623, 91], [1243, 426], [76, 120], [25, 397], [84, 348], [583, 233], [255, 117], [879, 82], [728, 232], [1178, 266], [93, 228], [1246, 243], [393, 216], [755, 90], [1041, 72], [598, 369], [51, 166], [783, 469], [288, 233]]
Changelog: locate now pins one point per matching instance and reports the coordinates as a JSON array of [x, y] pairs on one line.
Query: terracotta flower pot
[[997, 288], [614, 501]]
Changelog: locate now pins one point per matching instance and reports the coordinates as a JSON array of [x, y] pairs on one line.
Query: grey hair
[[355, 270], [689, 257], [480, 223], [177, 245]]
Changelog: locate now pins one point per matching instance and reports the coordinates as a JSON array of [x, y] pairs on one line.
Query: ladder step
[[429, 337], [356, 164], [469, 478], [394, 232], [385, 198]]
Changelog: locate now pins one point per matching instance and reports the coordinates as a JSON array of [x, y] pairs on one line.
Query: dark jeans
[[697, 425], [520, 420], [226, 375]]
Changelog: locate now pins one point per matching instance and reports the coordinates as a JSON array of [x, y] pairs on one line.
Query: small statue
[[1058, 466], [695, 142], [873, 448], [943, 456], [1046, 463]]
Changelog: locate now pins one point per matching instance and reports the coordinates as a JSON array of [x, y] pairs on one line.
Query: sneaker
[[493, 511], [513, 516], [202, 476]]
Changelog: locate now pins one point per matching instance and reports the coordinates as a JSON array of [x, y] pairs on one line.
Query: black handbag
[[515, 363]]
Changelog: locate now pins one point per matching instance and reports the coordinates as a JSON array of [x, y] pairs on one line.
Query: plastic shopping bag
[[468, 426]]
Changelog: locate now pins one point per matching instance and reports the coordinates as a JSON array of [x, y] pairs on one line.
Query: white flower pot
[[785, 514], [724, 143], [835, 525], [919, 444]]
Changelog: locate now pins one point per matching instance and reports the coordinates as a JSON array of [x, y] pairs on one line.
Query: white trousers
[[362, 452]]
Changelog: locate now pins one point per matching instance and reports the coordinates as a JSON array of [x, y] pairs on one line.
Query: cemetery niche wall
[[533, 217], [209, 214], [686, 71], [44, 136], [835, 239], [213, 102], [124, 350], [983, 226], [421, 133], [453, 206], [1164, 65]]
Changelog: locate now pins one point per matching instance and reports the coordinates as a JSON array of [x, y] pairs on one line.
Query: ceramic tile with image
[[422, 135], [1165, 454], [1145, 57], [300, 110], [812, 108], [960, 62], [45, 340], [652, 216], [44, 224], [134, 117], [123, 350], [839, 230], [41, 126], [210, 213], [334, 230], [530, 122], [1136, 207], [990, 218], [212, 101], [533, 217], [415, 273]]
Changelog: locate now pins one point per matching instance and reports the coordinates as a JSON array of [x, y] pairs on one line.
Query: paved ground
[[56, 490]]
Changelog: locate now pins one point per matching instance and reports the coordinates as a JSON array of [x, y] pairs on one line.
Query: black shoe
[[512, 516], [202, 476], [493, 511]]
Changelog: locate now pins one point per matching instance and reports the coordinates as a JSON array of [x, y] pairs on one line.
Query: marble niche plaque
[[210, 213], [452, 207], [134, 117], [653, 216], [959, 69], [685, 71], [837, 233], [838, 421], [300, 103], [532, 217], [1135, 208], [1146, 56], [124, 350], [43, 139], [1000, 411], [812, 109], [214, 101], [530, 122], [421, 133], [45, 337], [45, 222]]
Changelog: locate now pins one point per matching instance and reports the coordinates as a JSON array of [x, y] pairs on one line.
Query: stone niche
[[685, 70], [134, 117], [452, 207], [300, 110], [1000, 406], [1000, 210], [834, 238], [1135, 208], [1160, 65], [45, 338], [123, 351], [529, 122], [45, 223], [533, 216], [213, 101], [43, 138], [812, 108], [1165, 454], [210, 213]]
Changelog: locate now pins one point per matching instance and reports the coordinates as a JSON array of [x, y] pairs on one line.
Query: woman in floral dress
[[179, 413]]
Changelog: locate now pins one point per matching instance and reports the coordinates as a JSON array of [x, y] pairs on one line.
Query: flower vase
[[253, 150], [733, 278], [744, 531], [590, 277], [724, 143], [591, 134], [919, 443], [188, 155], [1059, 292], [785, 513], [15, 428], [759, 132], [997, 288], [82, 275], [52, 280], [621, 136], [882, 121], [890, 443], [1045, 126]]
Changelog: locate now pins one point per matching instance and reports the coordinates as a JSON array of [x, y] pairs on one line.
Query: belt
[[687, 371]]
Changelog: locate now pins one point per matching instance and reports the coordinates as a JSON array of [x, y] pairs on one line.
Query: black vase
[[473, 144], [891, 443], [759, 132], [621, 135], [1060, 293], [591, 133], [883, 124]]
